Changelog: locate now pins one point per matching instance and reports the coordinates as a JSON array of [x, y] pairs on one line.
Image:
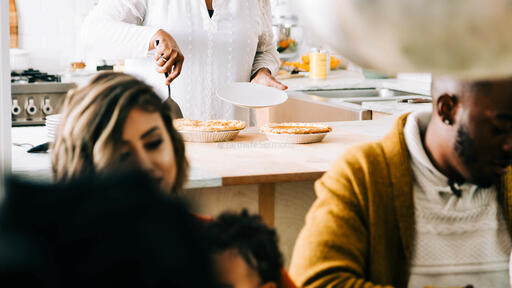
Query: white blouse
[[229, 47]]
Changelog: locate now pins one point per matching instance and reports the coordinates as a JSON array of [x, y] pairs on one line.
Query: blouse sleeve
[[266, 53], [113, 30]]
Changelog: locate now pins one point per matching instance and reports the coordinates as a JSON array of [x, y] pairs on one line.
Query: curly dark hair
[[256, 243]]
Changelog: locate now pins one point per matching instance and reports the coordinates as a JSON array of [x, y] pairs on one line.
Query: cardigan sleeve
[[114, 30], [332, 249], [266, 53]]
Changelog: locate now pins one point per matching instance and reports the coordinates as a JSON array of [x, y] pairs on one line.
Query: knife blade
[[176, 110], [41, 148]]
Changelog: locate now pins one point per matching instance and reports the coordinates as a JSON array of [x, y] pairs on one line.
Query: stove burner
[[32, 76]]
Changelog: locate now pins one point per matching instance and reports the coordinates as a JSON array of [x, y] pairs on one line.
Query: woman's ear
[[446, 107], [269, 285]]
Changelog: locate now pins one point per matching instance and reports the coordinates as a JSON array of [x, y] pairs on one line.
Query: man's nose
[[507, 145]]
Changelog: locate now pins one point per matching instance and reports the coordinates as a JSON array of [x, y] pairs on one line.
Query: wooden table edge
[[271, 178]]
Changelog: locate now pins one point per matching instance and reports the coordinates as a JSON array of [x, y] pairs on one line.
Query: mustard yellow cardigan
[[359, 232]]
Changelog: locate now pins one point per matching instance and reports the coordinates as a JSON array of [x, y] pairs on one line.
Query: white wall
[[50, 31], [5, 94]]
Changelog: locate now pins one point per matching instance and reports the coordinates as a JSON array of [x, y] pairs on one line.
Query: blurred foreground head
[[109, 231]]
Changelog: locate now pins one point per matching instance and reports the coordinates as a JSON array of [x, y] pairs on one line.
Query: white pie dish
[[295, 138], [208, 137]]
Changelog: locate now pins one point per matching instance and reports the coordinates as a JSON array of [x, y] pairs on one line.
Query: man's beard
[[467, 152]]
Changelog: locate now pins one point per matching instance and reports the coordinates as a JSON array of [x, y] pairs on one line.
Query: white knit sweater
[[458, 241]]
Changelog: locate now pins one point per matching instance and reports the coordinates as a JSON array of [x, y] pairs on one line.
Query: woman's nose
[[143, 160]]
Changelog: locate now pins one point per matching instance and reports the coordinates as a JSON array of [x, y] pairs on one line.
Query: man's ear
[[446, 107], [269, 285]]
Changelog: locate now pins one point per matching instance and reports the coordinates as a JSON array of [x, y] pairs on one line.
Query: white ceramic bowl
[[467, 38], [208, 137], [251, 95], [296, 138]]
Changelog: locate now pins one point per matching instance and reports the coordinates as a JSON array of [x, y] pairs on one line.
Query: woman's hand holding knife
[[168, 55]]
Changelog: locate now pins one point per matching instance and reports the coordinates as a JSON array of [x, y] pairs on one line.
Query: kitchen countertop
[[37, 166], [392, 107], [250, 159], [344, 79]]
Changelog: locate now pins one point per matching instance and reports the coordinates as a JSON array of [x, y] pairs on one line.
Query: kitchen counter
[[392, 107], [252, 159], [37, 166], [344, 79], [341, 97]]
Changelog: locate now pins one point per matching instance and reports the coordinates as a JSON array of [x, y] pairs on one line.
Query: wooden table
[[252, 159]]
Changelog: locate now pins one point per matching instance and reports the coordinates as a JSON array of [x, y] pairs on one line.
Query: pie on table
[[296, 128], [190, 125]]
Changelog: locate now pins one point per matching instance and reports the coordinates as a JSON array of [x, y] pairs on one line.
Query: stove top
[[33, 76], [36, 95]]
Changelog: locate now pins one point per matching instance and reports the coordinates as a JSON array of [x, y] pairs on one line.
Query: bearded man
[[428, 205]]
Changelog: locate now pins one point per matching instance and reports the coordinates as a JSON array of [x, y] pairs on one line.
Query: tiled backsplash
[[50, 31]]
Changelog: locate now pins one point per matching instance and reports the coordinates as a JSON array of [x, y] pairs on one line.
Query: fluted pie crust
[[209, 125], [295, 128]]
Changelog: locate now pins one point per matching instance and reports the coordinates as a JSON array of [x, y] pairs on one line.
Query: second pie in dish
[[208, 125], [296, 133], [296, 128]]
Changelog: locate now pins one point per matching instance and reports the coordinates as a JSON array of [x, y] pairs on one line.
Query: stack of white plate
[[52, 124]]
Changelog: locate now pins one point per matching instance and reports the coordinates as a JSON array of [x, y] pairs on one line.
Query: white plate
[[208, 137], [251, 95], [296, 138]]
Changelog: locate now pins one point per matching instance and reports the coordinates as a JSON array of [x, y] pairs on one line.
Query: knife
[[175, 107], [41, 148]]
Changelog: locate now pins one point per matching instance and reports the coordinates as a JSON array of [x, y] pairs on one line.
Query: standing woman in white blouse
[[224, 41]]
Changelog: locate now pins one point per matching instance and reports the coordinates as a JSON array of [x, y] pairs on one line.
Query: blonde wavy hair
[[90, 130]]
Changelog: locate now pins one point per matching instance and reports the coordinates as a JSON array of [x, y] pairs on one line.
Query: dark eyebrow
[[147, 133], [503, 116]]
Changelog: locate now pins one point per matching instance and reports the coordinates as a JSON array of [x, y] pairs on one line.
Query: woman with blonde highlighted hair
[[117, 121]]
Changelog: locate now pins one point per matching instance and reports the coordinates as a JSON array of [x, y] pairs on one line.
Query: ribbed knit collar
[[434, 183]]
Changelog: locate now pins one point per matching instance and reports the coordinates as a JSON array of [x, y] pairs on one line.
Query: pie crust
[[296, 128], [209, 125]]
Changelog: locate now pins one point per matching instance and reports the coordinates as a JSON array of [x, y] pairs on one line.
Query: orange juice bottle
[[318, 64]]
